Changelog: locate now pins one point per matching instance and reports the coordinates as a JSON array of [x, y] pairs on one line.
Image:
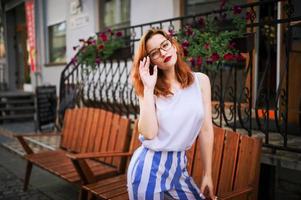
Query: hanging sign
[[30, 23]]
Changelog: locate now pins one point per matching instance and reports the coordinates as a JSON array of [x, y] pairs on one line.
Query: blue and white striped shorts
[[160, 174]]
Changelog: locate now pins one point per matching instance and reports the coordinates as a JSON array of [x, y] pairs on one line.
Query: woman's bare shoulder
[[203, 79]]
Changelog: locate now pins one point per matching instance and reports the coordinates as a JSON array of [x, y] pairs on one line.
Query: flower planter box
[[245, 44], [122, 54]]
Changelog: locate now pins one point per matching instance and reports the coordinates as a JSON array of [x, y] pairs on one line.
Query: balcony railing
[[243, 98]]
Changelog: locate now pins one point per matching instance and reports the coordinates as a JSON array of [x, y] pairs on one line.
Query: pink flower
[[91, 42], [97, 60], [185, 43], [171, 32], [103, 37]]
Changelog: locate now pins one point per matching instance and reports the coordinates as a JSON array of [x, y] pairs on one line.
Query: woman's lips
[[167, 59]]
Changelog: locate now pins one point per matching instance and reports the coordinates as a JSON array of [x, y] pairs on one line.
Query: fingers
[[155, 72]]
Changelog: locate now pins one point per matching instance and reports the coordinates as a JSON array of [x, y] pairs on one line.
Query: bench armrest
[[237, 193], [24, 144], [39, 134], [80, 156]]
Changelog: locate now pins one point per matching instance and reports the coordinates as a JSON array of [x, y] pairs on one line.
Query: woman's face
[[161, 52]]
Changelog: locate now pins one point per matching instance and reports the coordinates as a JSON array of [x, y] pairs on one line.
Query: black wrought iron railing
[[254, 99]]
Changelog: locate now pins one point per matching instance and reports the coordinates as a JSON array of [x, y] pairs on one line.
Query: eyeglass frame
[[160, 48]]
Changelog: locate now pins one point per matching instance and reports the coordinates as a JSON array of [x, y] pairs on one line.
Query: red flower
[[188, 31], [74, 60], [185, 52], [214, 57], [101, 46], [250, 15], [239, 57], [75, 47], [232, 45], [229, 56], [192, 61], [206, 46], [103, 37], [236, 10], [199, 60], [201, 22], [119, 34]]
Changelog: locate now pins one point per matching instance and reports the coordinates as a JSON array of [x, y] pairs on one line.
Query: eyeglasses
[[155, 54]]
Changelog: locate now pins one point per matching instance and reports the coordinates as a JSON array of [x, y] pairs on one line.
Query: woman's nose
[[163, 52]]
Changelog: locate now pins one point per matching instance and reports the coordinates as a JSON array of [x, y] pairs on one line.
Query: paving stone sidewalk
[[11, 188]]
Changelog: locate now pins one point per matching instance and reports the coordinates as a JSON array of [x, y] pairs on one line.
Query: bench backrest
[[235, 162], [95, 130]]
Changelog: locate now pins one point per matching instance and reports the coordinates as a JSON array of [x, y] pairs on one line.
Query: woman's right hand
[[148, 80]]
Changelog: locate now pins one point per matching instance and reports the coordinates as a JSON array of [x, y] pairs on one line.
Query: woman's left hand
[[208, 183]]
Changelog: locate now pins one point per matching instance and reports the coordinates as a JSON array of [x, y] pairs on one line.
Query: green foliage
[[209, 42], [98, 48]]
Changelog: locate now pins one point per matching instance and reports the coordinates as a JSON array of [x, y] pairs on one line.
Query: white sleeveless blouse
[[180, 118]]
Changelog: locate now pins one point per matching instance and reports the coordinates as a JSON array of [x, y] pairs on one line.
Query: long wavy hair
[[183, 72]]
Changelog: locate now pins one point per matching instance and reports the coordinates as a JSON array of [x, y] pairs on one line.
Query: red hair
[[183, 72]]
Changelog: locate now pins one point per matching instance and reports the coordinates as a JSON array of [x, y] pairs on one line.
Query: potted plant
[[103, 46], [214, 41], [27, 86]]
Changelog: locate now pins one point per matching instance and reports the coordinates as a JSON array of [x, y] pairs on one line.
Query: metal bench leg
[[27, 175]]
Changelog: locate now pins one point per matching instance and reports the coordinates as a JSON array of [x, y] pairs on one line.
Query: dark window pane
[[57, 43]]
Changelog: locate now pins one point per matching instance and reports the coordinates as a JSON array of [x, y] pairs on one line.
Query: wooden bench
[[236, 166], [84, 130]]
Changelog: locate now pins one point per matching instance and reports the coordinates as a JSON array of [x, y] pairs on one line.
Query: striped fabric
[[160, 175]]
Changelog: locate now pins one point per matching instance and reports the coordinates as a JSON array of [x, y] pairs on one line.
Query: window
[[114, 13], [57, 43], [193, 7]]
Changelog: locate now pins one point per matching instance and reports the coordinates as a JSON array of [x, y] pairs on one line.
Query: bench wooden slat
[[93, 131], [87, 131], [122, 142], [112, 138], [218, 146], [84, 123], [66, 129], [105, 139], [100, 131], [229, 160]]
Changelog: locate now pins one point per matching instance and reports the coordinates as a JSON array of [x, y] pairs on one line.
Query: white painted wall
[[79, 25], [144, 11]]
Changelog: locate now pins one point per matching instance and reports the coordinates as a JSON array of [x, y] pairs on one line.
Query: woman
[[168, 125]]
